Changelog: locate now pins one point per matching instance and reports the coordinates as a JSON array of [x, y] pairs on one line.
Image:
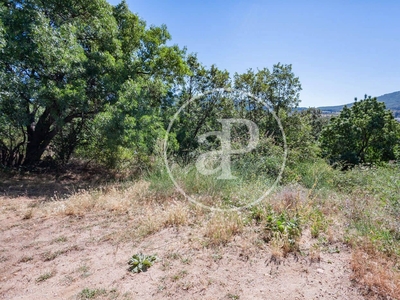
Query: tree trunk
[[39, 137], [34, 150]]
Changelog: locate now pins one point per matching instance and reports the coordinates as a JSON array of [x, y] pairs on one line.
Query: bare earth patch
[[68, 256]]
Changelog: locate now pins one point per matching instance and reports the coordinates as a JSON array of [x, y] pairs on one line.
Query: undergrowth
[[360, 207]]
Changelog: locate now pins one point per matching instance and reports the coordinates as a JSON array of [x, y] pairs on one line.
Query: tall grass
[[368, 197]]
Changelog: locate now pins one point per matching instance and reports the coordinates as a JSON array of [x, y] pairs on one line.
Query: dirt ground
[[56, 256], [82, 253]]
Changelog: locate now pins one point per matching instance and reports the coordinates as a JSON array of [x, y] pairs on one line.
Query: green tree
[[316, 120], [364, 133], [278, 88], [201, 115], [125, 133], [64, 62]]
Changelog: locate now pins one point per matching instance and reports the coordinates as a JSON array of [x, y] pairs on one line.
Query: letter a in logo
[[225, 153]]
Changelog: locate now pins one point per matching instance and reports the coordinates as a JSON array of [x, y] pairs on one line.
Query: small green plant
[[44, 277], [216, 256], [258, 213], [49, 256], [179, 275], [173, 255], [186, 260], [61, 239], [140, 262], [84, 270], [318, 223], [91, 293], [283, 226]]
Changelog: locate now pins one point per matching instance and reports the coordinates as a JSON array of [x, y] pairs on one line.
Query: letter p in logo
[[226, 151]]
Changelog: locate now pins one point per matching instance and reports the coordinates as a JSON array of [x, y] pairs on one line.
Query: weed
[[140, 262], [91, 293], [127, 296], [222, 227], [375, 273], [45, 276], [186, 260], [84, 270], [318, 223], [28, 215], [315, 253], [48, 256], [61, 239], [259, 213], [166, 264], [113, 294], [176, 215], [25, 259], [277, 245], [179, 275], [216, 257], [174, 255], [283, 227], [186, 285]]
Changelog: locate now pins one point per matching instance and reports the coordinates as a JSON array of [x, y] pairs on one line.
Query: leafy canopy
[[364, 133], [64, 62]]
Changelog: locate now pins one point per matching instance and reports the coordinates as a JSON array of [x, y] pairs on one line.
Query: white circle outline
[[229, 90]]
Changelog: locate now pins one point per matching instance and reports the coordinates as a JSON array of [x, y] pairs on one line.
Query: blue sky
[[339, 49]]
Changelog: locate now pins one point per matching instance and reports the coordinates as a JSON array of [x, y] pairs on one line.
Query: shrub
[[140, 262]]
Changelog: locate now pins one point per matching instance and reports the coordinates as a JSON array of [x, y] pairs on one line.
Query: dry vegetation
[[375, 273], [295, 234]]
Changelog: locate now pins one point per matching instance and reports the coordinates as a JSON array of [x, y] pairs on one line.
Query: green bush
[[283, 226]]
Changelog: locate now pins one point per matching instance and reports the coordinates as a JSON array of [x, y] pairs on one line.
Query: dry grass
[[277, 248], [375, 260], [28, 214], [376, 274], [109, 198], [222, 227], [147, 212], [176, 215], [45, 276], [291, 198], [315, 253], [281, 246], [149, 223]]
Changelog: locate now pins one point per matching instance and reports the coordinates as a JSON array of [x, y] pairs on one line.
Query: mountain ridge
[[391, 100]]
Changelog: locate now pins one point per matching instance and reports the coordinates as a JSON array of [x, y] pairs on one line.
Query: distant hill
[[392, 102]]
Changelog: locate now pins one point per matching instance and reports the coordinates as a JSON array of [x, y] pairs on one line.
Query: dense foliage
[[91, 80], [65, 62], [364, 133]]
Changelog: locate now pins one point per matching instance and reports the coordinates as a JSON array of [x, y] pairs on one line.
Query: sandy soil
[[57, 257]]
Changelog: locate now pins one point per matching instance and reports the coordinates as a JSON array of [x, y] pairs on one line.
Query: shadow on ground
[[49, 184]]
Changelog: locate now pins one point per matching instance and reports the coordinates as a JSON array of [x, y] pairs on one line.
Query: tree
[[316, 120], [201, 115], [125, 133], [364, 133], [278, 88], [64, 62]]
